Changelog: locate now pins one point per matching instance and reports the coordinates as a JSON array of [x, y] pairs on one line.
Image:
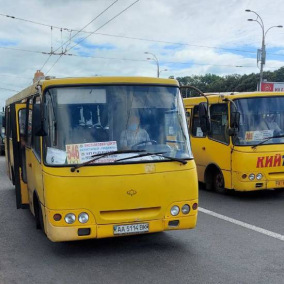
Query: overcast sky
[[187, 36]]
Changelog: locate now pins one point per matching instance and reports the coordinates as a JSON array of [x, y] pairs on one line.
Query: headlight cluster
[[70, 218], [251, 177], [185, 209]]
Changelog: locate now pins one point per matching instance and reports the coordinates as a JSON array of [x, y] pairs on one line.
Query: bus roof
[[88, 80], [217, 97]]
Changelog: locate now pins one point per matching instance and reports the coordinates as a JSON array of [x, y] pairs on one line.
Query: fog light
[[83, 218], [70, 218], [251, 177], [259, 176], [175, 210], [244, 176], [57, 217], [185, 209]]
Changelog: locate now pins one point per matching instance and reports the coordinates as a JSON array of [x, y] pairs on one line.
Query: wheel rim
[[219, 182]]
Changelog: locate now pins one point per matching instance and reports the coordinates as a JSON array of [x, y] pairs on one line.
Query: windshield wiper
[[99, 156], [159, 154], [268, 138]]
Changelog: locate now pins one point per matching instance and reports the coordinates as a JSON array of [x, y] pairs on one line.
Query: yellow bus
[[102, 157], [237, 140]]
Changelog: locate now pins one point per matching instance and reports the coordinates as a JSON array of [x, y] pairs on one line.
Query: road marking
[[242, 224]]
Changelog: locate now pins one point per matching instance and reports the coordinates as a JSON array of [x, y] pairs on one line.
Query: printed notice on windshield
[[81, 153], [258, 135], [55, 156]]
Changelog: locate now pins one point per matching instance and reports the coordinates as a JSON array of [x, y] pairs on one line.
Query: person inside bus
[[133, 134], [269, 123]]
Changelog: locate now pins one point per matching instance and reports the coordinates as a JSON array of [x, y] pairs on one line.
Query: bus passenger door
[[33, 154], [18, 117]]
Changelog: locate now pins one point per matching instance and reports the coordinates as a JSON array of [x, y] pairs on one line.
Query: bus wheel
[[39, 217], [219, 183]]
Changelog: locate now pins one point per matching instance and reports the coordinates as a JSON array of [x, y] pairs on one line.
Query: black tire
[[219, 183], [39, 217]]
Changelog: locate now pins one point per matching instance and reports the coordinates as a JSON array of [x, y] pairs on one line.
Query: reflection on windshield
[[86, 121], [261, 118]]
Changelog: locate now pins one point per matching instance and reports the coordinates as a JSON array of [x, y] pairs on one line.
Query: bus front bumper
[[257, 185], [62, 234]]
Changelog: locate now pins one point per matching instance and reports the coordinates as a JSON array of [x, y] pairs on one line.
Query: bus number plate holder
[[280, 183], [130, 229]]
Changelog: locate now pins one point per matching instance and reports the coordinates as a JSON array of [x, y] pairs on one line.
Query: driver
[[134, 133], [270, 123]]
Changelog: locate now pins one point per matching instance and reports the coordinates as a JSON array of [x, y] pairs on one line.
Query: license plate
[[280, 183], [130, 229]]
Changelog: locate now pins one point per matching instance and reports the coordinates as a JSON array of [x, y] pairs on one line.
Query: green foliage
[[230, 83]]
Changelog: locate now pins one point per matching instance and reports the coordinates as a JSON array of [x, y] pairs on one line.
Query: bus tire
[[219, 182], [38, 215]]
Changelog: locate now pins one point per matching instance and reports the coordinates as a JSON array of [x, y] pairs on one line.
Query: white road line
[[242, 224]]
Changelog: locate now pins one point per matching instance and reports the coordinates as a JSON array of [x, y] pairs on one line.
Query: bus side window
[[29, 124], [22, 122], [36, 139], [219, 122], [196, 129]]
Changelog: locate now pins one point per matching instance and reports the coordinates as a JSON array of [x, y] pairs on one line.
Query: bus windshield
[[261, 117], [84, 121]]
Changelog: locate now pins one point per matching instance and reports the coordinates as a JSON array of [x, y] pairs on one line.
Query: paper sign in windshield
[[80, 153], [199, 132], [55, 156], [258, 135]]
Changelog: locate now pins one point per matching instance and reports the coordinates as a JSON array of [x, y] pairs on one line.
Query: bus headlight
[[83, 218], [185, 209], [251, 177], [259, 176], [175, 210], [70, 218]]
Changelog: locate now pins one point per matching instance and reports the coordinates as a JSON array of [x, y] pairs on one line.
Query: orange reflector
[[194, 206], [57, 217]]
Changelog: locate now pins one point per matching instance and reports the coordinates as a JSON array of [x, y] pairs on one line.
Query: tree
[[229, 83]]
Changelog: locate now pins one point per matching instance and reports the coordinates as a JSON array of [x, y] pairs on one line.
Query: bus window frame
[[228, 119], [45, 90]]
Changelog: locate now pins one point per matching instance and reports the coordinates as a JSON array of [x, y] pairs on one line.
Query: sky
[[188, 37]]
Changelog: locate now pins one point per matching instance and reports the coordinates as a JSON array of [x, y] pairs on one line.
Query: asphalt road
[[216, 251]]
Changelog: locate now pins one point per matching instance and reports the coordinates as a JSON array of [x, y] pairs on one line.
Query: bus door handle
[[30, 165]]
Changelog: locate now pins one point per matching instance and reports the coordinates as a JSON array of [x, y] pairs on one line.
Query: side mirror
[[235, 120], [4, 121], [235, 123], [204, 119], [232, 132], [37, 121]]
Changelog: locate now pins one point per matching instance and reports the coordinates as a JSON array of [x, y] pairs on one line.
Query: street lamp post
[[162, 71], [156, 60], [262, 51]]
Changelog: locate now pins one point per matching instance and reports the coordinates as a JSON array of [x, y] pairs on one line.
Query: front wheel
[[39, 217], [219, 183]]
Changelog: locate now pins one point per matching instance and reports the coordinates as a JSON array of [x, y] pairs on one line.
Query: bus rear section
[[243, 149], [108, 157]]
